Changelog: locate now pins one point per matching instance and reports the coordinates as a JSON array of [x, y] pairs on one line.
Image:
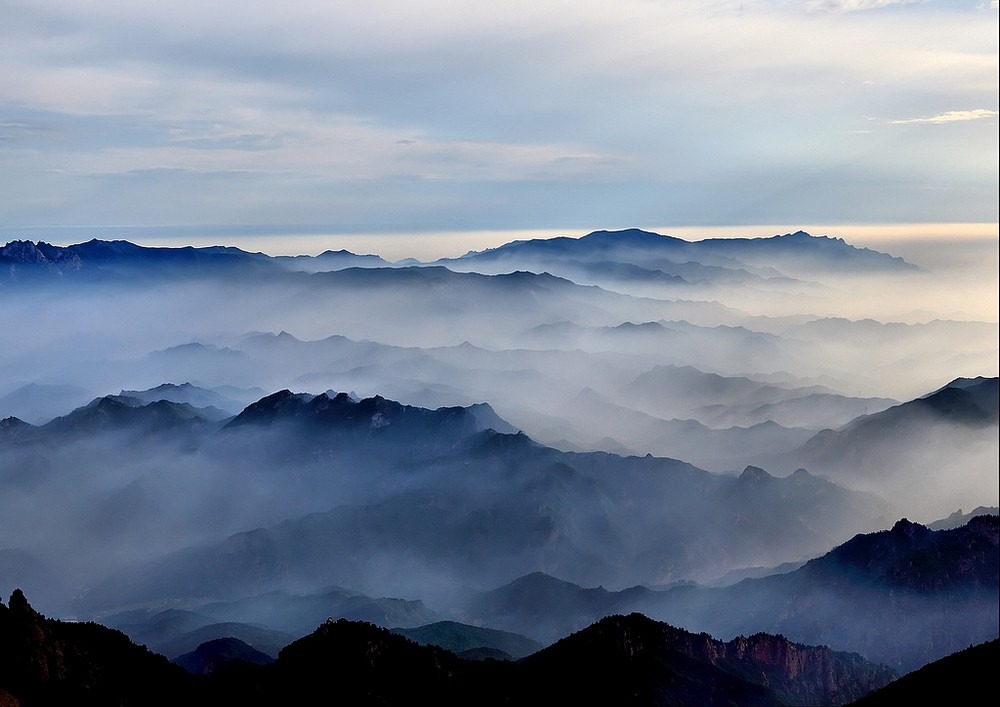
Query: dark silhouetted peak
[[211, 656], [373, 415], [26, 252], [101, 260], [100, 249], [113, 402], [542, 595], [970, 400], [801, 249], [119, 412], [490, 442], [19, 604], [630, 236], [366, 665], [958, 518], [913, 557], [908, 529], [488, 419], [472, 642], [754, 474], [272, 407], [14, 426]]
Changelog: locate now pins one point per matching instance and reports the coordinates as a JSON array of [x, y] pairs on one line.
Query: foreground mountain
[[635, 660], [963, 678], [49, 662], [621, 660]]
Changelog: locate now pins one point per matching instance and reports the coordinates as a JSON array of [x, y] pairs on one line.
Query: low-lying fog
[[726, 362]]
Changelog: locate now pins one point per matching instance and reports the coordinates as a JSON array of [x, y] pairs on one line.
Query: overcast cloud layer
[[450, 114]]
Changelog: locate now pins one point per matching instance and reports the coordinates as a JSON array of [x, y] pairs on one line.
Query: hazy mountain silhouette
[[432, 499], [792, 252], [331, 260], [195, 396], [472, 641], [958, 518], [103, 260], [895, 452], [39, 403], [123, 413], [217, 654]]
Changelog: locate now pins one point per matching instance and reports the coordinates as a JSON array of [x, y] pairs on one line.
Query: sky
[[444, 119]]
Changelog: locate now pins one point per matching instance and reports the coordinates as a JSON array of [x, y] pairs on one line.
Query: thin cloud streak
[[951, 116]]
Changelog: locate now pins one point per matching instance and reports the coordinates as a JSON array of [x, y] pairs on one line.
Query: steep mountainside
[[902, 597], [431, 510], [635, 660], [963, 678], [49, 662], [902, 452]]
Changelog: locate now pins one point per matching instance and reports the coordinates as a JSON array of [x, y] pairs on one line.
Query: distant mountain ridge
[[630, 254], [106, 259], [763, 257]]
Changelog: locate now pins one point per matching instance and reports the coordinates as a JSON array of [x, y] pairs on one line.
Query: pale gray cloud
[[428, 114]]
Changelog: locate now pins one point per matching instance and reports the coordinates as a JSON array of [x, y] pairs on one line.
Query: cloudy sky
[[436, 116]]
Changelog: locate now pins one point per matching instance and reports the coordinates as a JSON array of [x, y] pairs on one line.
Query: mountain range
[[628, 660], [626, 437]]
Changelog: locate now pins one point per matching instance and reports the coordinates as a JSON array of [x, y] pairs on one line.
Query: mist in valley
[[615, 410]]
